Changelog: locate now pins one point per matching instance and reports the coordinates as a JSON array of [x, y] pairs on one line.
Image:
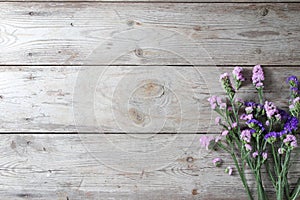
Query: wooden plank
[[149, 34], [164, 1], [121, 99], [60, 167]]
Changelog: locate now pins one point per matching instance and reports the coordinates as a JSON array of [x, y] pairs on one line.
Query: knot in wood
[[190, 159], [264, 11], [138, 52], [136, 116]]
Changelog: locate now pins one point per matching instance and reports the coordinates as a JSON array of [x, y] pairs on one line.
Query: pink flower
[[248, 147], [246, 117], [217, 162], [222, 105], [237, 73], [213, 102], [270, 109], [289, 138], [224, 76], [234, 125], [216, 101], [249, 110], [278, 117], [258, 76], [294, 144], [246, 135], [267, 123], [265, 155], [218, 138], [206, 141], [255, 154], [225, 132]]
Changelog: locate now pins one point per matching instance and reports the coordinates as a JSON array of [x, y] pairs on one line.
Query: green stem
[[260, 95], [296, 191], [275, 160], [242, 175], [270, 173], [260, 187], [285, 167], [279, 194], [281, 184]]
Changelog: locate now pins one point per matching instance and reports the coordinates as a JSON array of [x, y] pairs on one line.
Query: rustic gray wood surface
[[130, 69], [124, 99], [230, 34], [60, 167]]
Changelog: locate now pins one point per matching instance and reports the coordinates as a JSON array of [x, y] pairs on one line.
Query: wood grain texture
[[60, 167], [121, 99], [146, 34], [163, 1]]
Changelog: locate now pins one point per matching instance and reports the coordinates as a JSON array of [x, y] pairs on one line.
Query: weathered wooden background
[[140, 72]]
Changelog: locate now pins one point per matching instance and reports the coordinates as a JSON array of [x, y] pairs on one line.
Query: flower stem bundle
[[257, 135]]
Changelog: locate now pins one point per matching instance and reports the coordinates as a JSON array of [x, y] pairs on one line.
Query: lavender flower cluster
[[258, 76], [257, 131], [256, 124]]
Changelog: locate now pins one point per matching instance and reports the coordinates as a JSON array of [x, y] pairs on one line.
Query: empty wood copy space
[[108, 99]]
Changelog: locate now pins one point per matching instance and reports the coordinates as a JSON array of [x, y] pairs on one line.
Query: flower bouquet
[[258, 135]]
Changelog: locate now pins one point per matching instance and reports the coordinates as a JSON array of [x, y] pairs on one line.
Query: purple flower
[[281, 133], [246, 135], [258, 76], [278, 117], [291, 141], [217, 162], [237, 73], [222, 105], [271, 136], [216, 101], [255, 154], [250, 104], [229, 170], [270, 109], [253, 123], [213, 102], [296, 100], [226, 83], [295, 106], [248, 147], [289, 138], [225, 132], [224, 76], [265, 155], [294, 85], [292, 80], [267, 123], [234, 125], [246, 117], [291, 124], [294, 144], [207, 141], [284, 114]]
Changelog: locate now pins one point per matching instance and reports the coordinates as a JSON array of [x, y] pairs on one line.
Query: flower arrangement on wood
[[257, 135]]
